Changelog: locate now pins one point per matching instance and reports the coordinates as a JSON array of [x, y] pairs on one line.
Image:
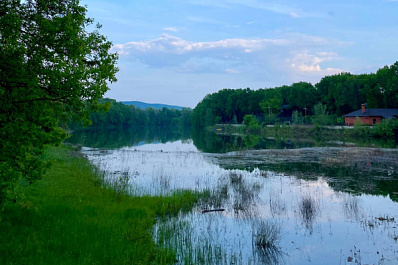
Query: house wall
[[349, 121]]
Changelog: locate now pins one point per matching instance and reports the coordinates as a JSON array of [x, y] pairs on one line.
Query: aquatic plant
[[309, 208], [351, 207], [265, 240]]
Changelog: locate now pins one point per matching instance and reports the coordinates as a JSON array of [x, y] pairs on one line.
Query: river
[[268, 201]]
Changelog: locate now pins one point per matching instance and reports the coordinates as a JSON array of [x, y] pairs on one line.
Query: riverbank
[[70, 217]]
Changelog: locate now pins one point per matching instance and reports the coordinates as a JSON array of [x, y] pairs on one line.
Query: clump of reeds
[[212, 199], [265, 240], [350, 207], [235, 177], [309, 208]]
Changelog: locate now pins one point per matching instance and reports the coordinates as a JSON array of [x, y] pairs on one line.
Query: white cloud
[[232, 71], [275, 7], [294, 15], [310, 63], [175, 45], [172, 29], [293, 58]]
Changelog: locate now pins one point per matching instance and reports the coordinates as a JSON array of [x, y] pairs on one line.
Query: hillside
[[143, 105]]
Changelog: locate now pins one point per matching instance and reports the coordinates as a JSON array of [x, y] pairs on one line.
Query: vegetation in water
[[266, 236]]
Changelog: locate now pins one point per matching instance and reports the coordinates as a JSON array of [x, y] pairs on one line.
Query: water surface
[[287, 203]]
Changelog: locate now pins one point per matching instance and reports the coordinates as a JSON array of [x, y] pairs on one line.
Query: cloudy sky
[[178, 51]]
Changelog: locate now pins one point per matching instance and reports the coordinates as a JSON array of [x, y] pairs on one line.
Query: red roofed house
[[370, 116]]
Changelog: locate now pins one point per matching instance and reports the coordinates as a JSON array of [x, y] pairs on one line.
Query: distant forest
[[120, 114], [340, 94]]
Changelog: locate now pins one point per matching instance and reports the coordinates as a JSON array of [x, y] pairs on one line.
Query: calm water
[[282, 202]]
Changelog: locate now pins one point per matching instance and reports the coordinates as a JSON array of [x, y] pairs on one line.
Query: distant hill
[[143, 105]]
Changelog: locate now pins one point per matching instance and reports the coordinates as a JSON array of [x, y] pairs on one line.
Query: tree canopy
[[120, 114], [52, 69], [338, 94]]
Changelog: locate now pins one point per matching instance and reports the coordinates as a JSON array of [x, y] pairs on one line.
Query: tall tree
[[52, 69]]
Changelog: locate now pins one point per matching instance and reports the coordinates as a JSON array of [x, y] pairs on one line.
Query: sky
[[177, 51]]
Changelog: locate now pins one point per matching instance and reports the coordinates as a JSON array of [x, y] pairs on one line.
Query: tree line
[[338, 94], [122, 115]]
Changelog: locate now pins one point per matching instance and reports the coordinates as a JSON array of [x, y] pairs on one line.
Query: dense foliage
[[340, 94], [120, 114], [52, 69]]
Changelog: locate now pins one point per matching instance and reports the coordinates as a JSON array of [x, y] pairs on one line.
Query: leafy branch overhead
[[52, 70]]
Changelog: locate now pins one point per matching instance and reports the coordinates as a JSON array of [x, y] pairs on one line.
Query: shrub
[[251, 122], [385, 129]]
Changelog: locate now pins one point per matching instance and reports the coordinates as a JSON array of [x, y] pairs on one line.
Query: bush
[[360, 129], [251, 122], [385, 129]]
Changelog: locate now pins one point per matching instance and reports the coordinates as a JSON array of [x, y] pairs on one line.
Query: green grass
[[69, 217]]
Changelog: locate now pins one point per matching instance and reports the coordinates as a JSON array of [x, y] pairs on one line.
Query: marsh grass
[[351, 207], [191, 248], [266, 236], [309, 210], [71, 217]]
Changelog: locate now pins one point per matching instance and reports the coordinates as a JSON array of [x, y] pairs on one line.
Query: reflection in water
[[210, 142], [280, 206], [131, 136]]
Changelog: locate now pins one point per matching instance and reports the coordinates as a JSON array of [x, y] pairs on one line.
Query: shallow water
[[309, 205]]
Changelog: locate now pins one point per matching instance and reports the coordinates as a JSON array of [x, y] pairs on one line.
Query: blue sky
[[178, 51]]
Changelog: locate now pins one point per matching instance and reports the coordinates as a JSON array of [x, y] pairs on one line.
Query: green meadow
[[71, 217]]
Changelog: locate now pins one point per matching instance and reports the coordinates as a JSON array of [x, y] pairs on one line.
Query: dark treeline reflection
[[210, 142], [127, 136]]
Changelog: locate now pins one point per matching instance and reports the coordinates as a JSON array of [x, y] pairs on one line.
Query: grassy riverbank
[[69, 217]]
